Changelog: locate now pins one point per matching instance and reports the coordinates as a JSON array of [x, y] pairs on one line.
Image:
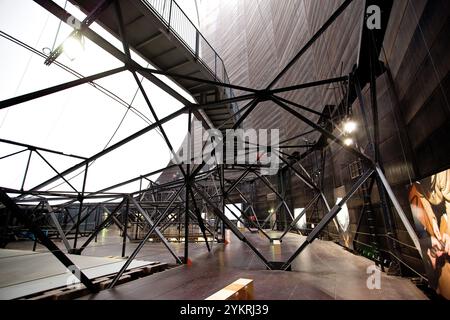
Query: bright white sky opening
[[301, 224], [233, 212], [343, 216], [82, 120]]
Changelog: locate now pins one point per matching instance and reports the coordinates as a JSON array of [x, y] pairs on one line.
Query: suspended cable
[[397, 126], [433, 63], [78, 75], [26, 69], [59, 28], [97, 86], [112, 137]]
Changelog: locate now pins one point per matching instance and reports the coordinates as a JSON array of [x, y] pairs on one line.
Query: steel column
[[45, 92], [25, 219], [147, 236], [330, 216]]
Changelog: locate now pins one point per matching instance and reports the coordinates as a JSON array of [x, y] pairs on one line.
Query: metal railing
[[177, 22]]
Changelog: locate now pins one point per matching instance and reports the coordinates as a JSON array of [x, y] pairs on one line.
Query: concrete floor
[[323, 271], [23, 273], [109, 244]]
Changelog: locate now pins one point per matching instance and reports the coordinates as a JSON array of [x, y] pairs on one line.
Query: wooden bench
[[241, 289]]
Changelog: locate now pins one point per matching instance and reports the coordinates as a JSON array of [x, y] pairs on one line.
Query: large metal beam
[[399, 210], [91, 17], [145, 239], [63, 15], [31, 147], [313, 39], [308, 85], [102, 225], [299, 106], [83, 219], [28, 222], [112, 148], [328, 217], [307, 180], [58, 227], [220, 214], [269, 217], [245, 216], [189, 178], [219, 103], [297, 219], [61, 87], [157, 231], [199, 80], [325, 132], [269, 185]]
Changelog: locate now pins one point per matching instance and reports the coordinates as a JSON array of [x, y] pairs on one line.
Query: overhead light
[[74, 46], [350, 126], [348, 142]]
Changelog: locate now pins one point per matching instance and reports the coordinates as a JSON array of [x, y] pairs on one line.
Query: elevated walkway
[[161, 33]]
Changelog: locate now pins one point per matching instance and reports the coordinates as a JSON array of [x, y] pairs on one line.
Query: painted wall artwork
[[430, 205], [342, 221]]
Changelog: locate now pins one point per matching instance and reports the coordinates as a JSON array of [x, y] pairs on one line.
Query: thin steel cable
[[27, 66], [59, 28], [78, 75], [112, 137], [429, 54], [129, 106], [396, 258], [385, 251], [402, 146], [406, 265]]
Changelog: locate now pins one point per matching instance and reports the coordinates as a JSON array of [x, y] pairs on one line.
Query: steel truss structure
[[184, 199]]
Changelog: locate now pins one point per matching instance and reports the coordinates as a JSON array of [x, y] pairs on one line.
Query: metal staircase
[[161, 33]]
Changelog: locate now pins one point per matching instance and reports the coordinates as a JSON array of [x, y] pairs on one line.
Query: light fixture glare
[[73, 46], [350, 126], [348, 142]]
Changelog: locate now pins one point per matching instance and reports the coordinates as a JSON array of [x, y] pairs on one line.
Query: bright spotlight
[[348, 142], [74, 46], [350, 126]]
